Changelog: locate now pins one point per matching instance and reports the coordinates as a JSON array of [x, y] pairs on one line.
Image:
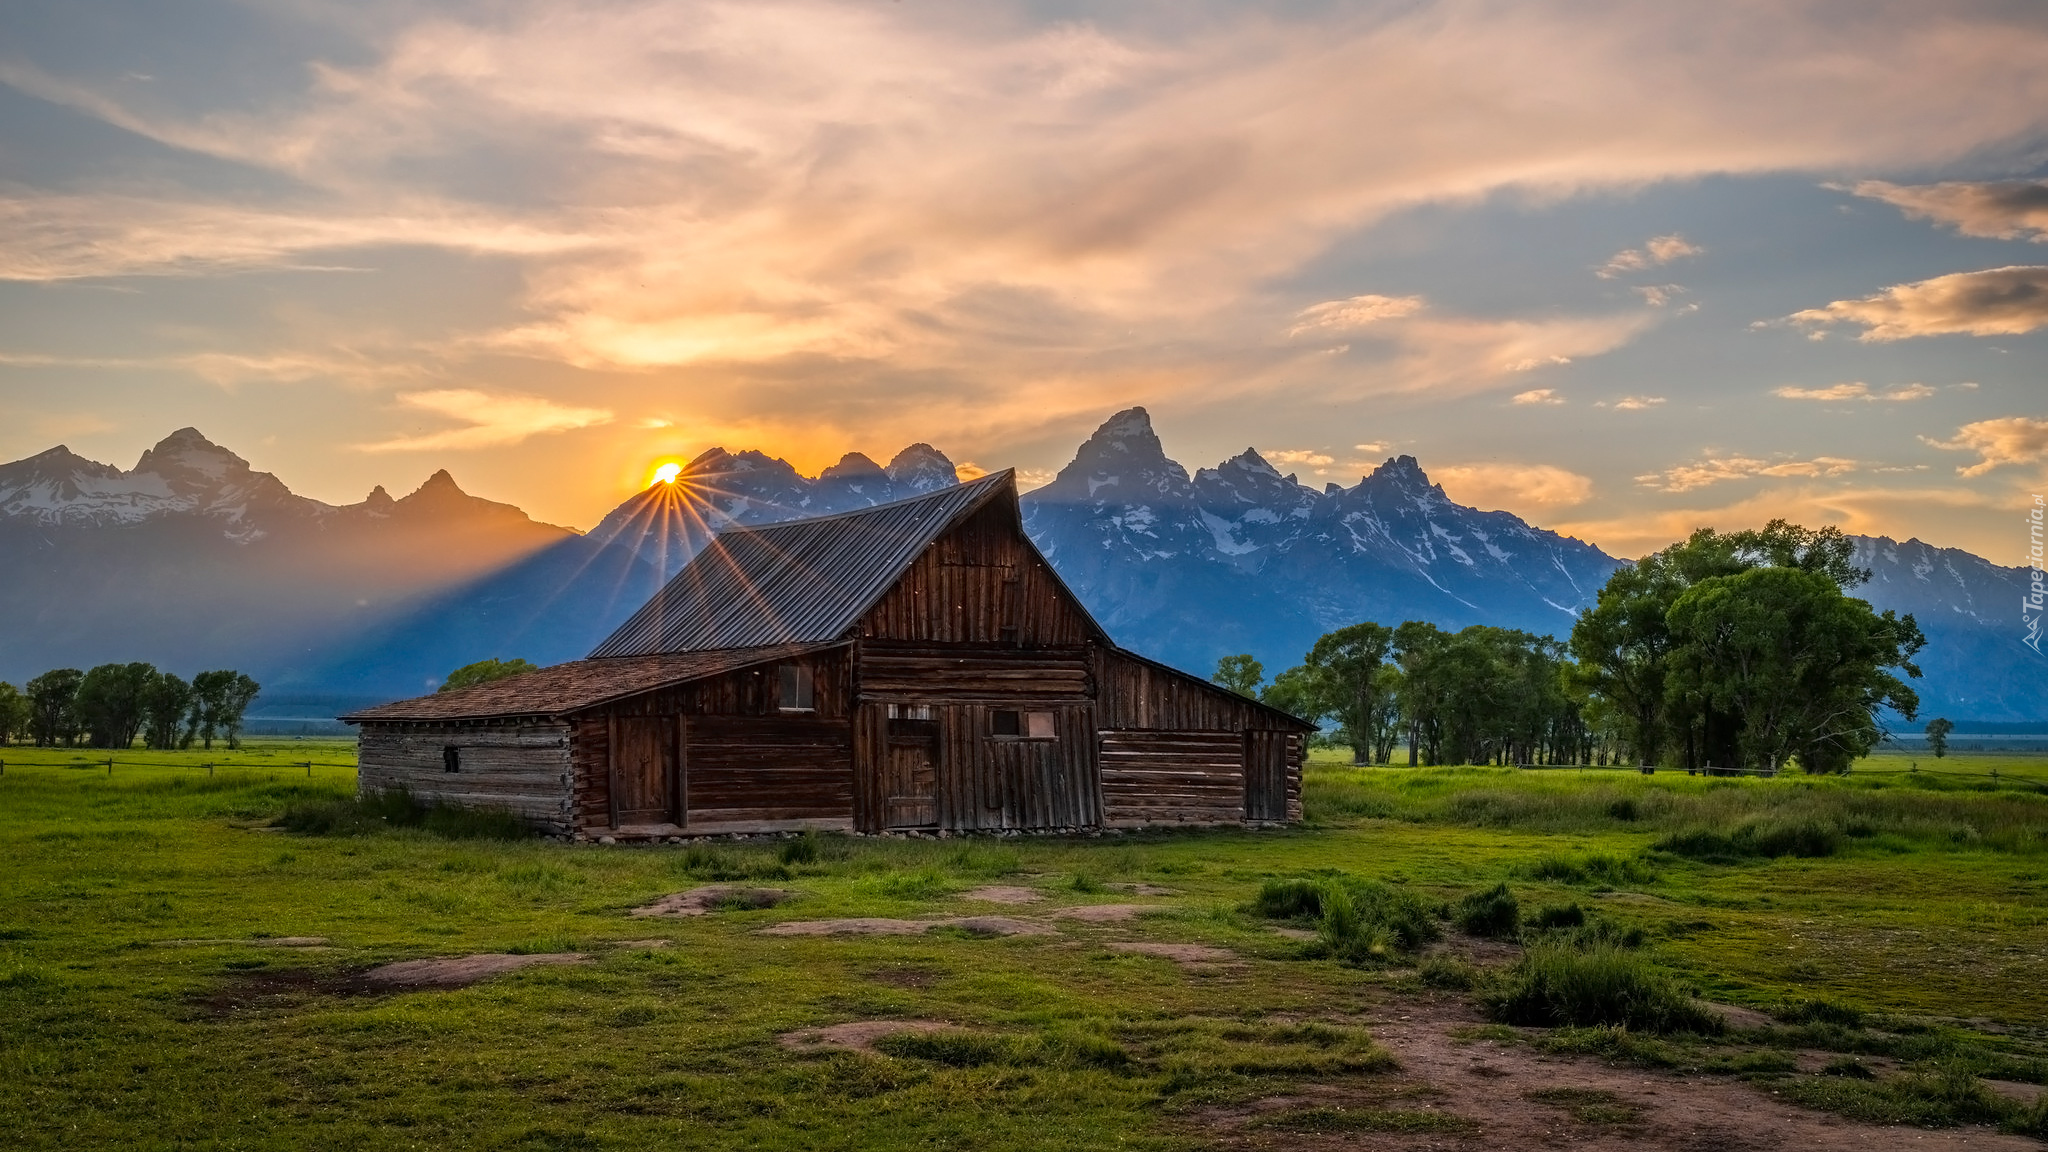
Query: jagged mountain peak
[[921, 468], [378, 500], [853, 466]]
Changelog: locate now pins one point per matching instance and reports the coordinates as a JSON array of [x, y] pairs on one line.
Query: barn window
[[798, 693], [910, 711], [451, 759], [1022, 725]]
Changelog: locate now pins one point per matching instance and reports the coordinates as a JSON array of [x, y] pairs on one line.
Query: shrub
[[1494, 912], [1083, 882], [1807, 838], [1555, 986], [1624, 809], [1447, 972], [1554, 916], [953, 1048], [1289, 900], [802, 850], [397, 808], [1816, 1011]]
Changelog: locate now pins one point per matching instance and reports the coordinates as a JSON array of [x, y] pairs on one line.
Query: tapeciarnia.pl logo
[[2036, 601]]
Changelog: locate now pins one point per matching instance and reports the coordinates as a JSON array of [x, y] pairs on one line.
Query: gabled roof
[[800, 582], [574, 686]]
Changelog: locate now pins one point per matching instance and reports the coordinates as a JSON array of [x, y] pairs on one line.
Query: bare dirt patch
[[656, 942], [905, 977], [1287, 933], [1738, 1017], [1106, 913], [711, 897], [459, 971], [1003, 894], [858, 1035], [1181, 953], [882, 926], [1501, 1094]]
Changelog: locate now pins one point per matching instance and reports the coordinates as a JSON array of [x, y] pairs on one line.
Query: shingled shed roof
[[577, 685], [805, 581]]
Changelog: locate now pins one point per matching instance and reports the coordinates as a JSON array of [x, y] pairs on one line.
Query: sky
[[1623, 269]]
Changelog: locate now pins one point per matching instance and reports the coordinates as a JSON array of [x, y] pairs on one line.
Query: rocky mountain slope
[[1240, 558], [191, 559]]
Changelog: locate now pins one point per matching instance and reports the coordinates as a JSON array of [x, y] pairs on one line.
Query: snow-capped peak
[[922, 468]]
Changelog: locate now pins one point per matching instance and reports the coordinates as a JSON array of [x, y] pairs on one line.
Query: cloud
[[1356, 312], [2007, 440], [1631, 403], [1713, 470], [1373, 447], [1957, 517], [1306, 456], [1538, 396], [1995, 302], [1998, 209], [1658, 295], [1856, 390], [1507, 485], [1660, 250], [494, 421]]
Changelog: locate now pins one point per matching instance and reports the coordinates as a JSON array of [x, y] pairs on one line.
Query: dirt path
[[1480, 1092]]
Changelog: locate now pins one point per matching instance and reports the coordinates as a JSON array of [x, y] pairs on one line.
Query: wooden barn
[[913, 666]]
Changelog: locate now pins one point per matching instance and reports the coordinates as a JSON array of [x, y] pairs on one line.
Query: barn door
[[1265, 775], [910, 775], [644, 776]]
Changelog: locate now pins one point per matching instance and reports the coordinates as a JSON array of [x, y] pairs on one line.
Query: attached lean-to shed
[[913, 666]]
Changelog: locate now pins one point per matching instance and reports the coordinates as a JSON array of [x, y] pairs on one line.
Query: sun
[[667, 473]]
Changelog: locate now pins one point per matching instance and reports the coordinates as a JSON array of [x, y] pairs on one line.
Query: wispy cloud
[[1656, 252], [1308, 456], [2007, 440], [1513, 486], [1999, 209], [492, 421], [1995, 302], [1357, 312], [1855, 390], [1631, 403], [1538, 396], [1715, 469]]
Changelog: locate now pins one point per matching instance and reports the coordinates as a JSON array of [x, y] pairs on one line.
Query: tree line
[[1734, 650], [112, 705]]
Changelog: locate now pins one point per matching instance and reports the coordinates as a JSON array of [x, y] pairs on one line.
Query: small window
[[797, 693], [910, 711], [1022, 725], [451, 759]]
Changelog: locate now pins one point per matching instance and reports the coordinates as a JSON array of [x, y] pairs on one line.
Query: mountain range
[[191, 559]]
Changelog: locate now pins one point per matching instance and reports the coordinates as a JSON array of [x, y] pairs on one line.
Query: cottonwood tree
[[166, 703], [53, 706], [110, 703], [483, 672], [13, 713], [1937, 735], [219, 699], [1241, 674]]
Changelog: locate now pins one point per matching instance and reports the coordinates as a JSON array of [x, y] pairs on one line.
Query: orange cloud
[[1995, 302], [2008, 440], [1513, 486], [493, 421]]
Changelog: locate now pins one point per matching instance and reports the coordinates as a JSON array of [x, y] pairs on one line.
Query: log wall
[[519, 768], [743, 765], [1155, 777]]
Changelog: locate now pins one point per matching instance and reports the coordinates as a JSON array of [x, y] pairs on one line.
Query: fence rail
[[2003, 778], [108, 763]]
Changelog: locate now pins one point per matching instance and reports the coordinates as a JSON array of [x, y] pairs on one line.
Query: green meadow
[[1894, 921]]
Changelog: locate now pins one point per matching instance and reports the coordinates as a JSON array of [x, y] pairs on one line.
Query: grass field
[[1896, 919]]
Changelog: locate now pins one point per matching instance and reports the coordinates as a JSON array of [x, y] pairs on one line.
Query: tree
[[14, 709], [110, 704], [1345, 665], [219, 699], [1241, 674], [485, 671], [1937, 735], [1795, 668], [53, 706], [166, 701]]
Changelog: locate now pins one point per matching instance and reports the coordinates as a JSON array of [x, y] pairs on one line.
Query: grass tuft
[[1493, 912], [1559, 986]]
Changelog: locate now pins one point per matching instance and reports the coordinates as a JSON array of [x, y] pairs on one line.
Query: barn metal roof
[[804, 581], [572, 687]]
